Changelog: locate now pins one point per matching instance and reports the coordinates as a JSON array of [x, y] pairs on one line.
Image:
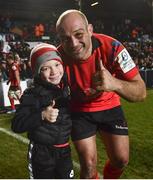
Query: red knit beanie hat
[[42, 53]]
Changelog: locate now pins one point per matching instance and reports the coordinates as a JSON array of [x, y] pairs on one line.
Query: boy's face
[[52, 71]]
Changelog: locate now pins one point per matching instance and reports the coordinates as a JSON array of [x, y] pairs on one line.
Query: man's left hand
[[103, 79]]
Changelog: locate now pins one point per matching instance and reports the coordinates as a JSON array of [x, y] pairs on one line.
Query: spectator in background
[[2, 24], [14, 92], [0, 75], [36, 30], [8, 24], [4, 71], [28, 70], [39, 30]]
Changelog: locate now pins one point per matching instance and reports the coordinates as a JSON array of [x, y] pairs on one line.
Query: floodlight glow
[[94, 4]]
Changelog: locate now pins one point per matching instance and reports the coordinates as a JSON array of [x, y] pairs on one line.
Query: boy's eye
[[43, 69], [57, 64]]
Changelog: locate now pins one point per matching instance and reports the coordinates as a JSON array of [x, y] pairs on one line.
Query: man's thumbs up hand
[[103, 79]]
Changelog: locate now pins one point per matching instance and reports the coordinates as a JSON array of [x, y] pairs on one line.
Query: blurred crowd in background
[[138, 39]]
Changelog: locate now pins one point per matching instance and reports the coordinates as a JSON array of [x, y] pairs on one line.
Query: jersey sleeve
[[126, 68]]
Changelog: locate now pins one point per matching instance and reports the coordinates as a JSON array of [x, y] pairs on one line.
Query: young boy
[[49, 150]]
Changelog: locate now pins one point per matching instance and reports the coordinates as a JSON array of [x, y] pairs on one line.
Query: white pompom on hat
[[42, 53]]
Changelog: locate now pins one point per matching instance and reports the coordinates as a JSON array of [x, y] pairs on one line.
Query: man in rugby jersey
[[14, 92], [100, 71]]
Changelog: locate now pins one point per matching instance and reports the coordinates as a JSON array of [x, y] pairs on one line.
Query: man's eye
[[79, 35]]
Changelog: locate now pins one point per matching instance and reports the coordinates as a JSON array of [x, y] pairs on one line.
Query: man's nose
[[74, 41]]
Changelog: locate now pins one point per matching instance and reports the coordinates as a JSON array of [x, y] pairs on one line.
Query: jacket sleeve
[[28, 115]]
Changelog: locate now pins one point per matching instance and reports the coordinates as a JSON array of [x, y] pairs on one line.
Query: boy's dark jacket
[[28, 116]]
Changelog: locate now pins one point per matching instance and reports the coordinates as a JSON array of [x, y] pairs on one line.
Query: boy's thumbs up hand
[[52, 103], [50, 113]]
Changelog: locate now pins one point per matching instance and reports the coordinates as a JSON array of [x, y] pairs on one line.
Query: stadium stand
[[20, 31]]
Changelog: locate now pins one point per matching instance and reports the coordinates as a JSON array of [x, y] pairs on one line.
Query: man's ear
[[90, 29]]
